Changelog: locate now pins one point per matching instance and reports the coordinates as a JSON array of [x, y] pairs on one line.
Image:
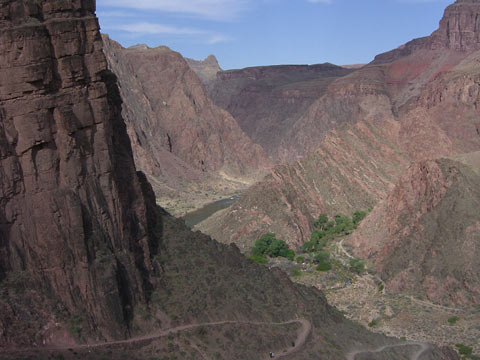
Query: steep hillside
[[268, 101], [180, 139], [423, 238], [402, 113], [87, 258]]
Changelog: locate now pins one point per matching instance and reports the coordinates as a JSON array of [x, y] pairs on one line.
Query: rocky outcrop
[[268, 102], [74, 214], [423, 238], [180, 138], [459, 30]]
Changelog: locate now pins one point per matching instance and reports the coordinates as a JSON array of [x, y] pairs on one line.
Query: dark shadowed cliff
[[180, 139]]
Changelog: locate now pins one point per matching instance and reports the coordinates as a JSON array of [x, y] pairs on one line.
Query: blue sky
[[243, 33]]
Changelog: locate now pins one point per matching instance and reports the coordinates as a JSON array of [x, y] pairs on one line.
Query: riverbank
[[195, 217]]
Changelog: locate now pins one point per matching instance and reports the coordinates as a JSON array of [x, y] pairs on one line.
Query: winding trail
[[423, 348], [303, 333]]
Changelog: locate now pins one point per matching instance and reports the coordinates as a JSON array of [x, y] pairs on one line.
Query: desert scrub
[[452, 320], [464, 349], [295, 272]]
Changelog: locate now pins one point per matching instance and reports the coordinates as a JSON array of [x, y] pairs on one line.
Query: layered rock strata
[[73, 211]]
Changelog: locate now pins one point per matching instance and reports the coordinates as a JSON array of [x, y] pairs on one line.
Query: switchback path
[[423, 348], [303, 333]]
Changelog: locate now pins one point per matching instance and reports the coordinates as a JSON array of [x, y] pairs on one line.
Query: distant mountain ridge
[[421, 105], [268, 101]]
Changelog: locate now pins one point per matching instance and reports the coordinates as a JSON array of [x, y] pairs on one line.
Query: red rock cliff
[[73, 216]]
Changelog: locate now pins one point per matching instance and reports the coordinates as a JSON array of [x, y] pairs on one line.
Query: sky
[[242, 33]]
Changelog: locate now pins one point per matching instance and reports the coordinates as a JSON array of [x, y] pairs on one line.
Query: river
[[195, 217]]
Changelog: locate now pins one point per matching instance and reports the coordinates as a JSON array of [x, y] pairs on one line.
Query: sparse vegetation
[[464, 350], [357, 266], [373, 323], [322, 260], [452, 320], [296, 272], [260, 259]]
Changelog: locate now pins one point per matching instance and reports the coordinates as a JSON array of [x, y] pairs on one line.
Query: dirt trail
[[303, 334], [423, 348]]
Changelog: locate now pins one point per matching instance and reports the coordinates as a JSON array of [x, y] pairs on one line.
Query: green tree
[[321, 221], [269, 245], [357, 266], [300, 260], [358, 216], [261, 245]]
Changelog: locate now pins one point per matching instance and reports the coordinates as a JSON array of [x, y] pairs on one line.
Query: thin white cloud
[[212, 9], [320, 1], [146, 28], [114, 14], [216, 39]]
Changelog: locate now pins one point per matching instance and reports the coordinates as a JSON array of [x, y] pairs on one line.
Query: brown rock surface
[[268, 101], [180, 139], [423, 238], [73, 215]]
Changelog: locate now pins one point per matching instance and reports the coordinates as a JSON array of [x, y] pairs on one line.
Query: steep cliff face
[[178, 134], [459, 30], [268, 101], [73, 214], [419, 106], [423, 238]]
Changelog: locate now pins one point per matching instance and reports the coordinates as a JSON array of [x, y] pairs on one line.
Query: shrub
[[308, 247], [373, 323], [464, 350], [357, 266], [260, 259], [296, 272], [452, 320], [322, 256], [322, 260], [300, 260], [324, 266], [358, 216]]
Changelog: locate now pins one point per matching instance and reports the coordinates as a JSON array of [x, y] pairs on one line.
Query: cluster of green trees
[[269, 245], [326, 229]]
